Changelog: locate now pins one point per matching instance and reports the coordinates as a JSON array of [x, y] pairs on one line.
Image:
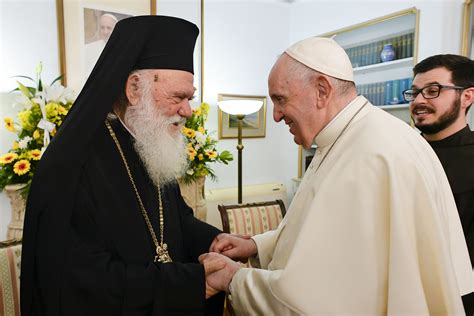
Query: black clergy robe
[[456, 154], [109, 268]]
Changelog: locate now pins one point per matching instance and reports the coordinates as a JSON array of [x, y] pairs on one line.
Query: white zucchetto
[[324, 55]]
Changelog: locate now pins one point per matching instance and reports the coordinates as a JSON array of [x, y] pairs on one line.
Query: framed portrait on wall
[[467, 36], [253, 125], [84, 27]]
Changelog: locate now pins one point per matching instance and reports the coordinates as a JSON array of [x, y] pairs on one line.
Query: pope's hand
[[237, 247], [220, 279]]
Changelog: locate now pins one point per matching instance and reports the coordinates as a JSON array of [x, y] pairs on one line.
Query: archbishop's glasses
[[429, 92]]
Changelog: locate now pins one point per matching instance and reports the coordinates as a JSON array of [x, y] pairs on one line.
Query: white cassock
[[373, 231]]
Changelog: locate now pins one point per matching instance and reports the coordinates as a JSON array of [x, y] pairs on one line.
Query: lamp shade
[[240, 107]]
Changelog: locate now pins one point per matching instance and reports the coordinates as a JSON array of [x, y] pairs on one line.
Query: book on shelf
[[369, 54], [385, 92]]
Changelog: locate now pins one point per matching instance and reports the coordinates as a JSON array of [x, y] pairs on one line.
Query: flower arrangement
[[43, 109], [201, 147]]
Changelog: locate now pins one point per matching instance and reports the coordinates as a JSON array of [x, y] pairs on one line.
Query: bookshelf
[[390, 65], [381, 82]]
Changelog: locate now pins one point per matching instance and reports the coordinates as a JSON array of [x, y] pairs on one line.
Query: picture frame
[[467, 41], [83, 29], [254, 125]]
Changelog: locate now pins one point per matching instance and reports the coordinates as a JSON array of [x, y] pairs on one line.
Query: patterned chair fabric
[[253, 218], [10, 260], [250, 219]]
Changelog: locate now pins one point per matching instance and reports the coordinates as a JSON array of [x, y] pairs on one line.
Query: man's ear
[[467, 97], [325, 89], [132, 89]]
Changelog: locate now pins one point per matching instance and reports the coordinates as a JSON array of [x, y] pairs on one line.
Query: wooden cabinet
[[382, 82]]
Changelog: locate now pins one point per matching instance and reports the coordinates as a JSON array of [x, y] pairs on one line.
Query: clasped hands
[[219, 267]]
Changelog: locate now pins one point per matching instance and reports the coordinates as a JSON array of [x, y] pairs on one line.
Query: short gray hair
[[298, 70]]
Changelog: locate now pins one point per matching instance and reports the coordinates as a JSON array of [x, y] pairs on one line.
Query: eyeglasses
[[429, 92]]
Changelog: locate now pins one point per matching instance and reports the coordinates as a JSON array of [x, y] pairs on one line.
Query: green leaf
[[58, 78], [26, 77], [24, 90]]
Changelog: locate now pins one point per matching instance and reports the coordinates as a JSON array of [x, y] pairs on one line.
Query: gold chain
[[162, 254]]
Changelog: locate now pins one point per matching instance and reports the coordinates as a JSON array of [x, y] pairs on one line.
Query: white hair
[[298, 70]]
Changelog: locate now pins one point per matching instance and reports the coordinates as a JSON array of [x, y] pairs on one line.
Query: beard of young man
[[443, 121], [162, 152]]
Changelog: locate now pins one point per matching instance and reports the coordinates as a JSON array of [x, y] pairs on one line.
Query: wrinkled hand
[[221, 278], [237, 247], [209, 268]]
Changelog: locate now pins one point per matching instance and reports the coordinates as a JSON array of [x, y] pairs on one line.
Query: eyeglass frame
[[440, 86]]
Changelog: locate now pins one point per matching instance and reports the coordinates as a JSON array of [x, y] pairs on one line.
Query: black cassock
[[108, 266], [456, 154]]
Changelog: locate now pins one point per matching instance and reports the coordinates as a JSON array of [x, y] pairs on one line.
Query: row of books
[[385, 93], [369, 54]]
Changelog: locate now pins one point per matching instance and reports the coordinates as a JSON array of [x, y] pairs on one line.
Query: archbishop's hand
[[220, 279], [209, 268], [237, 247]]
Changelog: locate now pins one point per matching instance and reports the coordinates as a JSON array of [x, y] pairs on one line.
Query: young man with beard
[[106, 229], [440, 98], [373, 228]]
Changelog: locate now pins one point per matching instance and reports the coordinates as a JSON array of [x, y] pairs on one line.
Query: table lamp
[[240, 108]]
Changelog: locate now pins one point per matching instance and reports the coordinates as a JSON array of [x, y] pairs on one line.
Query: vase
[[193, 195], [388, 53], [18, 205]]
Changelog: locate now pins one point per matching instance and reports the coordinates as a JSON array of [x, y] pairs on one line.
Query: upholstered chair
[[10, 261]]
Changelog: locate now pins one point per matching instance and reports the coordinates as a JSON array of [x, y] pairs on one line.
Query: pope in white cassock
[[373, 228]]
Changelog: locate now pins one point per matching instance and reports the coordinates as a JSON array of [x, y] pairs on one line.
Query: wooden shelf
[[405, 62]]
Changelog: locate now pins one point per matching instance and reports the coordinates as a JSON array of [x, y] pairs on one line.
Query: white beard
[[162, 152]]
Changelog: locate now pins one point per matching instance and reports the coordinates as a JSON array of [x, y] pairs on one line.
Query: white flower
[[190, 171], [58, 93], [201, 138], [23, 143], [22, 101]]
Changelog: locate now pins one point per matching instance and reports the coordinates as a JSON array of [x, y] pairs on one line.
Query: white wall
[[28, 35], [242, 40]]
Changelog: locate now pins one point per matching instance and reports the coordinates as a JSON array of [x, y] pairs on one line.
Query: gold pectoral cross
[[162, 254]]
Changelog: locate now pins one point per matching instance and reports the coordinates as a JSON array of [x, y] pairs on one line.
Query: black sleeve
[[198, 235], [98, 281]]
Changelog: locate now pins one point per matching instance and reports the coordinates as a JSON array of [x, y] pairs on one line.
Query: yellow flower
[[51, 110], [15, 145], [36, 134], [24, 117], [53, 132], [62, 110], [211, 154], [197, 112], [35, 154], [201, 130], [191, 153], [21, 167], [9, 124], [188, 132], [201, 157], [7, 158], [205, 108]]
